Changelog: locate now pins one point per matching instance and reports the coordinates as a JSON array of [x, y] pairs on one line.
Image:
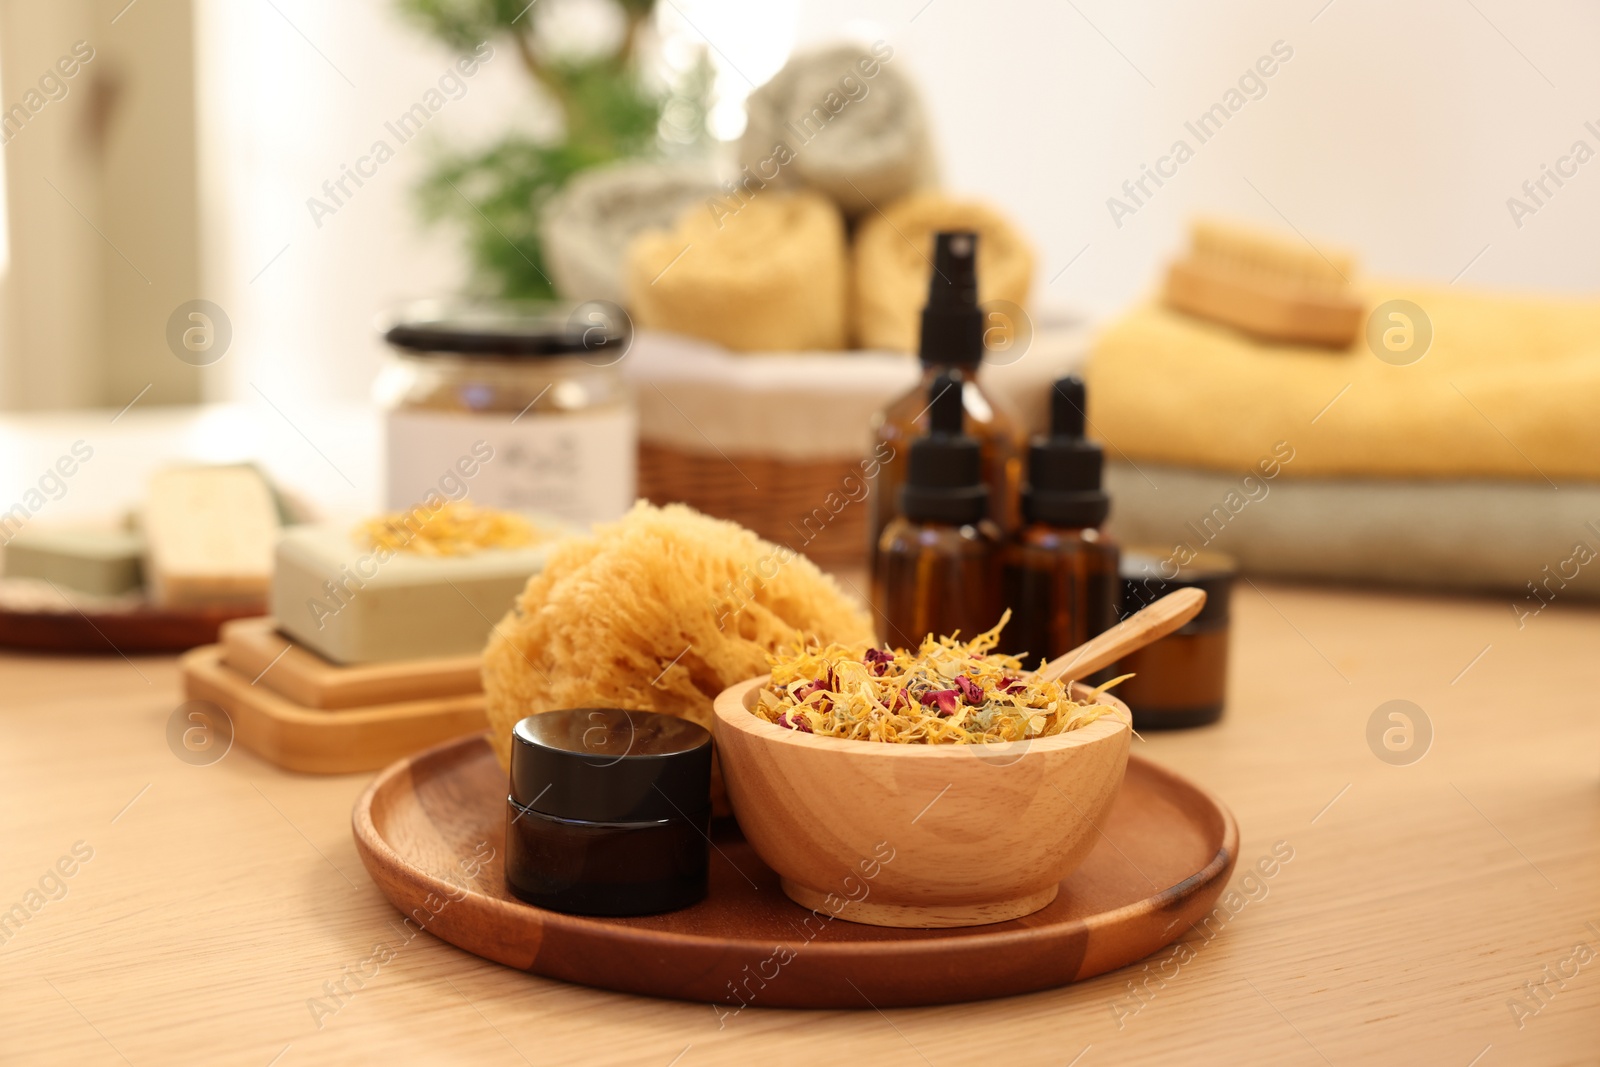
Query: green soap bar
[[102, 562], [333, 595]]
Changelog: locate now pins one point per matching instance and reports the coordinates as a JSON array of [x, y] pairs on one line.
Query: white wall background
[[1398, 129]]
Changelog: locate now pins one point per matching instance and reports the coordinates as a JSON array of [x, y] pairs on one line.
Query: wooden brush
[[1268, 287]]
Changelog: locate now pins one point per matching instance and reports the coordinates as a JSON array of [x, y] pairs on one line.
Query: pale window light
[[746, 44]]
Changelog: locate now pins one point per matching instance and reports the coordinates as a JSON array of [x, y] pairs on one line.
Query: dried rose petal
[[947, 700], [902, 697], [878, 655], [970, 689], [797, 723]]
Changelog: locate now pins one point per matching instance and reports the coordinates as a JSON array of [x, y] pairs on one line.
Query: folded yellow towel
[[767, 277], [1508, 389], [894, 255]]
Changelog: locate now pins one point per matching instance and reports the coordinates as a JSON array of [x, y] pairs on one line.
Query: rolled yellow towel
[[894, 253], [769, 276]]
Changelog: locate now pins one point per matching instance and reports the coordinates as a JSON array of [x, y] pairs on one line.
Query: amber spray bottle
[[951, 343], [1061, 579], [938, 565]]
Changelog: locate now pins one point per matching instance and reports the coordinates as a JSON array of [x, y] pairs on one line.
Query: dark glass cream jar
[[1182, 679], [535, 387], [609, 812]]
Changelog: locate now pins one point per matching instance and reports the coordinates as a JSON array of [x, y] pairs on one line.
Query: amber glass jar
[[609, 811], [1182, 679]]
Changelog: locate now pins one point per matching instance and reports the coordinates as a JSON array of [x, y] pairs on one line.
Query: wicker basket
[[785, 502]]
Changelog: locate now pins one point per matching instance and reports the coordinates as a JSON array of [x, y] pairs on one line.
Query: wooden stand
[[324, 741], [255, 649]]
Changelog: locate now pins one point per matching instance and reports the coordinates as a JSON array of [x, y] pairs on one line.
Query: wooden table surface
[[1423, 905]]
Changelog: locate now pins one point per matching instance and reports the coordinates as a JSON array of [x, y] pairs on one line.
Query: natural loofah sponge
[[659, 611], [894, 253], [842, 121], [589, 224], [769, 276]]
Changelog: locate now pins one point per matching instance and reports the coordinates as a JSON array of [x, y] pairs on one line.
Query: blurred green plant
[[608, 112]]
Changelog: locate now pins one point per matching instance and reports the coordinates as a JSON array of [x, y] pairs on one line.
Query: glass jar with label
[[535, 388]]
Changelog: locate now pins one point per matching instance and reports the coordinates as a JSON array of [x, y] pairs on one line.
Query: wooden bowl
[[918, 835]]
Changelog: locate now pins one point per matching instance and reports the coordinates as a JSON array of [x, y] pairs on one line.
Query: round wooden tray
[[142, 631], [431, 832]]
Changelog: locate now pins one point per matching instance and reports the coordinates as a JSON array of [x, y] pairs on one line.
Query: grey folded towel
[[1524, 540], [589, 224], [843, 121]]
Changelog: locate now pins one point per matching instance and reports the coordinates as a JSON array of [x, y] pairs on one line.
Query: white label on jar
[[578, 466]]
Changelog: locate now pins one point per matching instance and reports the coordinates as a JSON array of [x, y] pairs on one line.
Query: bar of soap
[[331, 593], [209, 533], [101, 562]]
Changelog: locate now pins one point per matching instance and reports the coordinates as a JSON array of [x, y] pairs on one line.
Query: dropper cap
[[1064, 468], [952, 322], [944, 479]]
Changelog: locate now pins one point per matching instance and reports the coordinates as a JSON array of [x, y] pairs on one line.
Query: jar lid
[[610, 765], [509, 328], [1150, 574]]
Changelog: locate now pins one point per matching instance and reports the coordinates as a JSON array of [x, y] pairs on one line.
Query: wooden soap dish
[[322, 740], [255, 649], [431, 832]]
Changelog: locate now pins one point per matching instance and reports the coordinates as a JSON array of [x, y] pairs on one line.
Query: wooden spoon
[[1142, 628]]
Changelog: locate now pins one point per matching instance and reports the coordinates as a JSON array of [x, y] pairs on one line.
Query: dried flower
[[946, 692], [971, 691], [797, 722], [878, 659], [457, 528]]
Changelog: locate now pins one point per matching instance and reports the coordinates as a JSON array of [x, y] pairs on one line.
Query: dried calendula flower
[[456, 528], [946, 692]]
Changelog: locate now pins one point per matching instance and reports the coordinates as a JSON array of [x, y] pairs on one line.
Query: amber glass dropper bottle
[[1061, 579], [951, 343], [938, 569]]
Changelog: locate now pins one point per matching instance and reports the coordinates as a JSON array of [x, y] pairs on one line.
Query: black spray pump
[[1064, 468], [952, 322], [944, 480]]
